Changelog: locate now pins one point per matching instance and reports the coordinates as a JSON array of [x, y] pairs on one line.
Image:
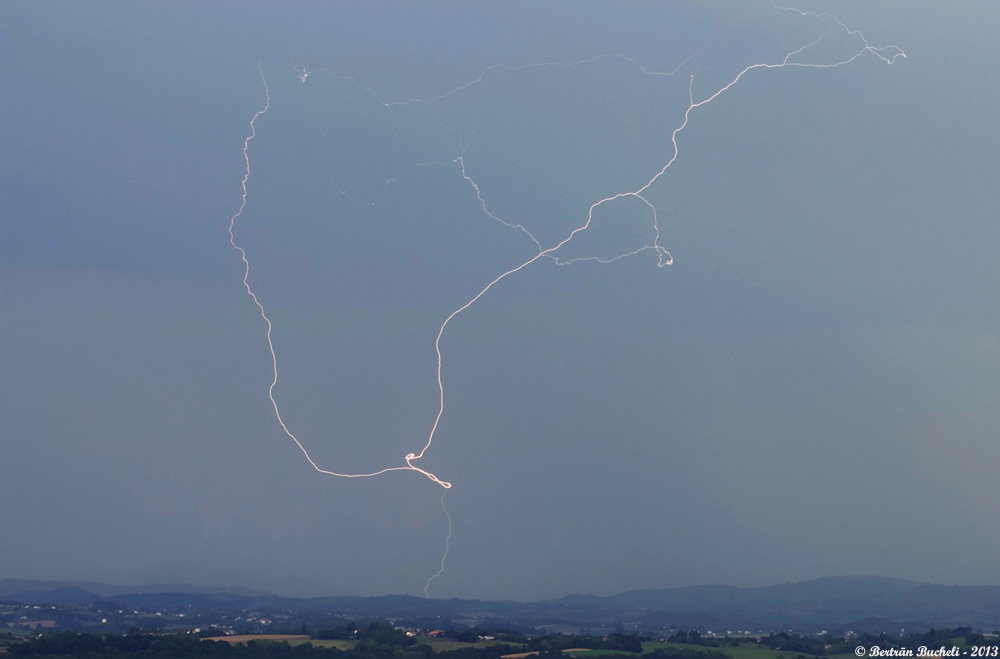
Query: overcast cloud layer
[[811, 389]]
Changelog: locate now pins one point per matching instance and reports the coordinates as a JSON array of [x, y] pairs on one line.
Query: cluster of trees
[[560, 642], [64, 645], [688, 653], [694, 637], [379, 640], [939, 637], [552, 642], [832, 645], [781, 641], [806, 644], [73, 645], [473, 635], [374, 635]]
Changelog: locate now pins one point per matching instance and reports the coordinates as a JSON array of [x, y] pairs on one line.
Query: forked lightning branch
[[887, 54]]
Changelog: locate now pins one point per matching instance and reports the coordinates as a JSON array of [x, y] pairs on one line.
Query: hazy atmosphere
[[798, 377]]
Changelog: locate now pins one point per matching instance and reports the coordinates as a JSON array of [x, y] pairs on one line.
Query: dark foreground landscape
[[839, 606], [381, 640]]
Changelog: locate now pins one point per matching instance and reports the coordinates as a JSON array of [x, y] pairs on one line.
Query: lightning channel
[[664, 256], [270, 344], [447, 546], [888, 54]]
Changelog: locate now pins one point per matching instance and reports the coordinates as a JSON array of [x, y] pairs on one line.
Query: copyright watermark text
[[924, 651]]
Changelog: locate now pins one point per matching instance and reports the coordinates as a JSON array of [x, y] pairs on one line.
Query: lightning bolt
[[887, 54], [447, 546], [270, 344]]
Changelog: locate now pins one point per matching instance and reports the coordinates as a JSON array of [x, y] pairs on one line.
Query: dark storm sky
[[811, 389]]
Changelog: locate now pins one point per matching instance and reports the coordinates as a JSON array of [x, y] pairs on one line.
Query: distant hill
[[827, 589], [63, 596], [9, 586], [858, 603], [825, 602], [829, 598]]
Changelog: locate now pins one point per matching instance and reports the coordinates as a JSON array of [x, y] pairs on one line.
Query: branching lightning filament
[[887, 54]]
